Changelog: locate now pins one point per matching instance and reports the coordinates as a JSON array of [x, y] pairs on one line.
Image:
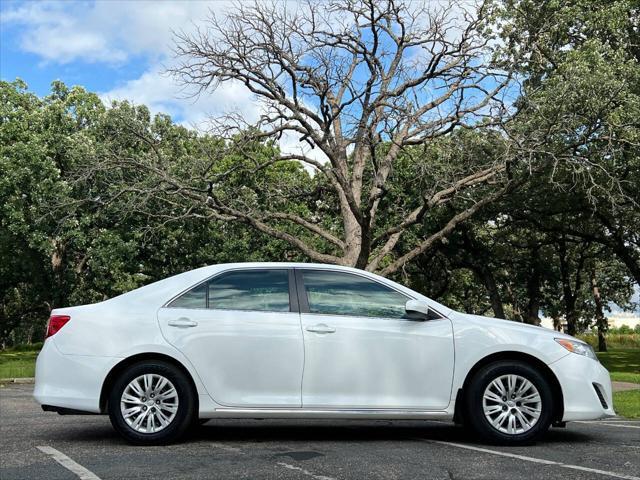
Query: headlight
[[578, 347]]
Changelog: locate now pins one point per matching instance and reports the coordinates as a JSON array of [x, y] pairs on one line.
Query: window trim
[[293, 294], [168, 303], [304, 299]]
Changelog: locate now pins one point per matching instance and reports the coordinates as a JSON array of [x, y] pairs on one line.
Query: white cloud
[[56, 36], [102, 31], [160, 93]]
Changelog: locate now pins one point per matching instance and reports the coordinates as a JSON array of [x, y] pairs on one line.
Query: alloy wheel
[[512, 404], [149, 403]]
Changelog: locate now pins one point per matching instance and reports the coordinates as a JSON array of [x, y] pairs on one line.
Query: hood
[[479, 320]]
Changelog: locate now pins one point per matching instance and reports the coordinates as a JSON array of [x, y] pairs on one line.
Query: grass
[[614, 340], [623, 364], [627, 404], [19, 361]]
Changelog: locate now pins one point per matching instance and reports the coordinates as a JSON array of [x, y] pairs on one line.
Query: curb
[[24, 380]]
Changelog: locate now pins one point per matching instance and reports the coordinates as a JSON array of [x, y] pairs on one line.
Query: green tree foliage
[[60, 243], [582, 90], [570, 234]]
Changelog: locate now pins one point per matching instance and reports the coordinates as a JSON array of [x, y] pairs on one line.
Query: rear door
[[241, 330]]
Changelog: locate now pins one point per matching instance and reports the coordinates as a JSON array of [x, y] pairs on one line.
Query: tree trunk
[[571, 321], [533, 290], [569, 296], [601, 320], [30, 335], [489, 282], [514, 303]]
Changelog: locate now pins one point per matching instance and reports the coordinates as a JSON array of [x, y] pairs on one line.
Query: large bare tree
[[367, 91], [358, 83]]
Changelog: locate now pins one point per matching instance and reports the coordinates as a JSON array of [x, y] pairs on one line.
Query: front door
[[361, 353], [241, 331]]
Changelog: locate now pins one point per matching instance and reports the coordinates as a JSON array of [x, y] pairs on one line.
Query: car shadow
[[262, 431], [347, 431]]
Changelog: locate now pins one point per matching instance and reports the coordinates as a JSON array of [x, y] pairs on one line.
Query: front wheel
[[509, 402], [152, 403]]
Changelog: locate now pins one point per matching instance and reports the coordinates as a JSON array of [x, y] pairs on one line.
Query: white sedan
[[295, 340]]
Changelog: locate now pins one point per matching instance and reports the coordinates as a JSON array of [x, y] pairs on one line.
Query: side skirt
[[327, 413]]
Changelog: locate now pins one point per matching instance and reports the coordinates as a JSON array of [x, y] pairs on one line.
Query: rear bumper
[[586, 388], [70, 382], [65, 411]]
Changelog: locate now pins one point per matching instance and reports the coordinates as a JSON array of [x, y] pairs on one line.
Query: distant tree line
[[485, 155]]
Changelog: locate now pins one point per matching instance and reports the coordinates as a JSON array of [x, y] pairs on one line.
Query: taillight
[[56, 322]]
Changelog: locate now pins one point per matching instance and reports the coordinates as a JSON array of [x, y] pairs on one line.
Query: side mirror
[[417, 310]]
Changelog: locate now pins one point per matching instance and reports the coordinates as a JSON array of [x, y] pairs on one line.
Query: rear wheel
[[152, 403], [509, 402]]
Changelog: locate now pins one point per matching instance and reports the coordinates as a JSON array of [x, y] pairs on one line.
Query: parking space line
[[611, 424], [66, 462], [305, 472], [619, 426], [533, 459]]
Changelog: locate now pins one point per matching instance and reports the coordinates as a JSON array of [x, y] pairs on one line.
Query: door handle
[[321, 328], [182, 323]]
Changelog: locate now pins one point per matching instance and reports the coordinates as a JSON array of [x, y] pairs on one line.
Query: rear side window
[[262, 290], [194, 298], [258, 290], [337, 293]]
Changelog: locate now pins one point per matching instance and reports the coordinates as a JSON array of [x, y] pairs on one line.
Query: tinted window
[[266, 290], [344, 294], [194, 298]]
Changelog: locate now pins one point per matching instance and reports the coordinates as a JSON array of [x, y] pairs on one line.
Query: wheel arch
[[137, 358], [543, 368]]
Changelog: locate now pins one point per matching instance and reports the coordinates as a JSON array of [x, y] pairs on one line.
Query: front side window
[[337, 293], [263, 290]]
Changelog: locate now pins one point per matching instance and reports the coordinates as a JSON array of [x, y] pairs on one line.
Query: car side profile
[[296, 340]]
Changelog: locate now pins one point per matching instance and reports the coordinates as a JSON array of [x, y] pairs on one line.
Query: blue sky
[[26, 51], [118, 49]]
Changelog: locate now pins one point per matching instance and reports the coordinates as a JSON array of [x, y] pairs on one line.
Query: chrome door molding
[[366, 413]]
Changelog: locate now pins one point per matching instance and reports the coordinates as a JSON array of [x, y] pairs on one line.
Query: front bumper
[[586, 388], [70, 382]]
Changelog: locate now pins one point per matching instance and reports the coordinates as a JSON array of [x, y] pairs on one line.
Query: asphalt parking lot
[[39, 445]]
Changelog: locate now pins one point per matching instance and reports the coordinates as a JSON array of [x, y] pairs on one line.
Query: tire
[[512, 421], [173, 406]]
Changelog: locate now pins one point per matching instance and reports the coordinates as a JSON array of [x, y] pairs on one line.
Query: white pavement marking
[[610, 424], [535, 460], [69, 464], [609, 419], [305, 472]]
